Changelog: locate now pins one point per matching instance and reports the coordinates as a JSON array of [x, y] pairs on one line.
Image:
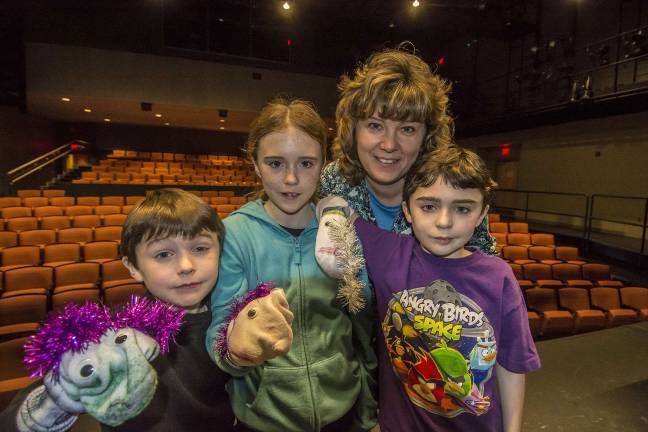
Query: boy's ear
[[483, 215], [406, 212], [133, 271]]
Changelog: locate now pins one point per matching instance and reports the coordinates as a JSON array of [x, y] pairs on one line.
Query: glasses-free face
[[177, 270], [387, 149], [289, 163], [444, 218]]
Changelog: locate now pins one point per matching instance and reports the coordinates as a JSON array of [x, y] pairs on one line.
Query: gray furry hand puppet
[[96, 362]]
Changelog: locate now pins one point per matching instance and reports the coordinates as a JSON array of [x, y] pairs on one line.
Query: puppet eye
[[121, 339], [86, 370]]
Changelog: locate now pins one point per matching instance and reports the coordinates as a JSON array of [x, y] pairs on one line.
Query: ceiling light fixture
[[222, 120], [65, 99], [107, 120], [222, 128], [167, 124], [87, 110], [158, 115], [416, 3], [286, 5]]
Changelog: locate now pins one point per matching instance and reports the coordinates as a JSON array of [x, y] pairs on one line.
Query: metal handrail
[[643, 225], [587, 216], [38, 163]]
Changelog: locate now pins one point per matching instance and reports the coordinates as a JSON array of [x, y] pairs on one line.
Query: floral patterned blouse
[[332, 183]]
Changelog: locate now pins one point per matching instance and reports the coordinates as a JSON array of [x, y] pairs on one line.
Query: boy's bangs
[[186, 224]]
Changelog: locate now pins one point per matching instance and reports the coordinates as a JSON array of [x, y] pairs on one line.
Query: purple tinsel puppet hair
[[77, 326], [262, 289]]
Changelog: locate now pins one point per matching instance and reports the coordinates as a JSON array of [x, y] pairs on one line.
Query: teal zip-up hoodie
[[328, 369]]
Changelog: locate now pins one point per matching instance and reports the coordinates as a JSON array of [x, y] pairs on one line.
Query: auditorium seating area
[[133, 167], [565, 293]]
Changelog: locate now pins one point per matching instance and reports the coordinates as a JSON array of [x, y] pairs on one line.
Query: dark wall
[[167, 139], [23, 138]]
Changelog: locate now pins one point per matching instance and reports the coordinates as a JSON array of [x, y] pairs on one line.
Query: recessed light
[[167, 124], [222, 120], [330, 129], [65, 99], [221, 128], [106, 119], [158, 115], [87, 110]]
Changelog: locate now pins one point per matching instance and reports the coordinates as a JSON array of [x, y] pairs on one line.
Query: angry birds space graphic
[[442, 348]]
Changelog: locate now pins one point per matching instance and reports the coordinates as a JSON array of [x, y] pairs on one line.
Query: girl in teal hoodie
[[325, 381]]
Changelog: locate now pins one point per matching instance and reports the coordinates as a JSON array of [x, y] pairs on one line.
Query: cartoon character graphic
[[441, 349], [482, 359]]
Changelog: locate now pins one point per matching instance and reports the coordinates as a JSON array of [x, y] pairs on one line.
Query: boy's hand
[[261, 331], [331, 209]]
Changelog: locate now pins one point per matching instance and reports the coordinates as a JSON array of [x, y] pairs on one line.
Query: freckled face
[[388, 148], [444, 218]]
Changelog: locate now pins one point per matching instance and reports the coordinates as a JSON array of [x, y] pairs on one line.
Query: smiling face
[[444, 218], [178, 270], [387, 149], [288, 163]]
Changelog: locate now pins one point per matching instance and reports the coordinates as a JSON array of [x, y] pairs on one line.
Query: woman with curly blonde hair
[[392, 111]]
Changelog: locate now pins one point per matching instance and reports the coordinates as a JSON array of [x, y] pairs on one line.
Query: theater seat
[[516, 254], [8, 239], [21, 312], [58, 254], [498, 227], [41, 212], [554, 322], [518, 239], [62, 201], [607, 300], [37, 237], [600, 275], [569, 255], [541, 274], [20, 256], [104, 233], [543, 239], [635, 298], [120, 294], [55, 222], [114, 273], [576, 300], [518, 227], [21, 224], [28, 278], [100, 251], [86, 221], [543, 254], [570, 274], [114, 219], [74, 235]]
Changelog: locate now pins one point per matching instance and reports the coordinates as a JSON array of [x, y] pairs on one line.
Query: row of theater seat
[[224, 197], [42, 237], [183, 179], [564, 274], [164, 168], [567, 311], [27, 293], [55, 254], [167, 156]]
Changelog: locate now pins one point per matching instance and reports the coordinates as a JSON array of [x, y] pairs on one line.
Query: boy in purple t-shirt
[[456, 341]]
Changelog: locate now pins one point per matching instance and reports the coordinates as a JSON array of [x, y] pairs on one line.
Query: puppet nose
[[149, 346]]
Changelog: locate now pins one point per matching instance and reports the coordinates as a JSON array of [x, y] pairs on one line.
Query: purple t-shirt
[[445, 324]]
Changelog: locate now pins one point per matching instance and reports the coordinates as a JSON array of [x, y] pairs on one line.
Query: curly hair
[[396, 85]]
